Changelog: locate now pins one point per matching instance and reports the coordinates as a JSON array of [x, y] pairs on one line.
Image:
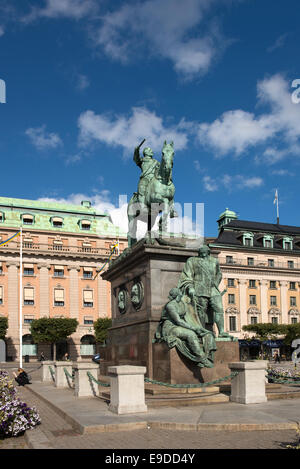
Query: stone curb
[[36, 439], [41, 439], [234, 427]]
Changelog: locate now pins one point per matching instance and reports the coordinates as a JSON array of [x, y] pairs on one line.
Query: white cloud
[[236, 131], [82, 82], [128, 131], [2, 31], [210, 184], [279, 43], [74, 9], [172, 29], [43, 140], [231, 183]]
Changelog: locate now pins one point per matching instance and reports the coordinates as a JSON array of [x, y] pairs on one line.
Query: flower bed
[[283, 374], [15, 415]]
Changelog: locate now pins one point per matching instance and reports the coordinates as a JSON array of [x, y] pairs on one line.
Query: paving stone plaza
[[86, 423]]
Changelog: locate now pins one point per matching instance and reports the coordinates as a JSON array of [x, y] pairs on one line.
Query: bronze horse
[[159, 198]]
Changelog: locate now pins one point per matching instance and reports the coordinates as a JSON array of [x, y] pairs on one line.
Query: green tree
[[3, 327], [101, 327], [291, 332], [52, 330]]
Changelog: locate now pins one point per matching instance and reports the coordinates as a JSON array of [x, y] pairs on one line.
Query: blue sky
[[87, 80]]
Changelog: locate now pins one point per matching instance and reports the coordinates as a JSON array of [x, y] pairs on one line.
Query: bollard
[[61, 380], [127, 389], [46, 373], [84, 385], [249, 386]]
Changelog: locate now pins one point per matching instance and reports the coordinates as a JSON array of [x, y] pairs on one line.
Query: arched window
[[87, 345], [28, 346]]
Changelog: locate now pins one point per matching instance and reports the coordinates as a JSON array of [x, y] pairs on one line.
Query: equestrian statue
[[155, 193]]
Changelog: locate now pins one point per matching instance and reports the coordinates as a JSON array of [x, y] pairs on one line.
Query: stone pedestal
[[47, 376], [155, 269], [249, 386], [61, 379], [127, 389], [84, 385], [170, 366]]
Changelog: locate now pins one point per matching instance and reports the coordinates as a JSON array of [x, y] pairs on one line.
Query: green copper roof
[[43, 213], [228, 213]]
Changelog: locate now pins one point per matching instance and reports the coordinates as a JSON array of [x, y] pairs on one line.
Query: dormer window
[[27, 219], [248, 239], [268, 241], [2, 217], [85, 225], [57, 222], [287, 243]]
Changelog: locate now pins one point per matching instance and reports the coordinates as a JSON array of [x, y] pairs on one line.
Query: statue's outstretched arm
[[136, 155]]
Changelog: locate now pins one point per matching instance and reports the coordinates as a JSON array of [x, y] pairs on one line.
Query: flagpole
[[21, 298]]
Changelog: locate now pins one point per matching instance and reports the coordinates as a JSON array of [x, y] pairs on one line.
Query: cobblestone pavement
[[62, 435]]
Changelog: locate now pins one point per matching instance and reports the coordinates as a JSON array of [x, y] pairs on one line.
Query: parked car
[[96, 358]]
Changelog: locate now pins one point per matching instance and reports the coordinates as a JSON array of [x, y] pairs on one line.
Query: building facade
[[64, 246], [260, 263]]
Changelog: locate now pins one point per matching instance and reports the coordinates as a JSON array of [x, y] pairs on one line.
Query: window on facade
[[273, 300], [86, 247], [27, 219], [2, 217], [59, 297], [229, 260], [268, 243], [274, 320], [85, 225], [253, 320], [273, 284], [87, 272], [252, 299], [232, 323], [270, 262], [294, 320], [28, 296], [1, 295], [28, 269], [252, 283], [1, 270], [293, 301], [230, 282], [28, 319], [231, 299], [57, 222], [88, 298], [27, 243], [290, 264], [59, 271], [57, 245], [88, 320], [250, 261], [292, 285], [248, 242]]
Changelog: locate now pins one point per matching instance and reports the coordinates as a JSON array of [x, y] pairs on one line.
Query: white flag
[[276, 197]]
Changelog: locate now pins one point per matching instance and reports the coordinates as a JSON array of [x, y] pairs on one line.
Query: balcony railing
[[258, 263], [58, 249]]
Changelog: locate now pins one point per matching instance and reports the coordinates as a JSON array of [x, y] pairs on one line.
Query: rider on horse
[[148, 166]]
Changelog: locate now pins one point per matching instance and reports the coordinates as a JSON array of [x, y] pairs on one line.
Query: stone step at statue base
[[157, 389], [173, 399]]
